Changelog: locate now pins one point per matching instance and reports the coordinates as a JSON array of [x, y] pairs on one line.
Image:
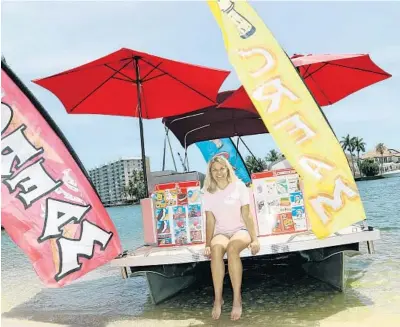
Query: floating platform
[[171, 269]]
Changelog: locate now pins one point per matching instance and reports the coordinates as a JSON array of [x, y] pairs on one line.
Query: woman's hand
[[254, 246], [207, 252]]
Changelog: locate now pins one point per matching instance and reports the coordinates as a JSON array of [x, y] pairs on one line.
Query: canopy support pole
[[139, 90], [170, 147], [185, 144], [186, 160], [165, 149]]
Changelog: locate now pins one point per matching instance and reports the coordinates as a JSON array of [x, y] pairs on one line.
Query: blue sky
[[43, 38]]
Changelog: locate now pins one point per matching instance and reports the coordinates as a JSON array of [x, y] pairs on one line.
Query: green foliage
[[255, 165], [273, 156], [380, 148], [349, 143], [359, 145], [369, 167], [135, 190]]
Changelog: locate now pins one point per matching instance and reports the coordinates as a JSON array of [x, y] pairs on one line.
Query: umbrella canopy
[[212, 123], [330, 78], [110, 86], [137, 84]]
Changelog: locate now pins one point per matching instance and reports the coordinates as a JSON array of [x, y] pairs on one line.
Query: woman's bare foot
[[216, 311], [236, 310]]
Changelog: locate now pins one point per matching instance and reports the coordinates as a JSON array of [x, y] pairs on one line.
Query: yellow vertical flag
[[292, 116]]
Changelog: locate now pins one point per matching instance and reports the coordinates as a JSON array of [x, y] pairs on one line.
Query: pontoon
[[171, 269]]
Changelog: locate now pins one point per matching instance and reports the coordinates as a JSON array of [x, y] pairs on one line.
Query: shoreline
[[122, 205], [369, 178]]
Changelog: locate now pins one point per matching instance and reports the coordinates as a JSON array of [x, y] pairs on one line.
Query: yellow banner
[[292, 117]]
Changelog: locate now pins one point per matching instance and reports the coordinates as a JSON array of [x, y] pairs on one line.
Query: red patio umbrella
[[137, 84], [330, 78]]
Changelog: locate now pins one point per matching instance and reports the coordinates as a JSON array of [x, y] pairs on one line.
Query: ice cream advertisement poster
[[179, 214], [278, 209], [194, 195]]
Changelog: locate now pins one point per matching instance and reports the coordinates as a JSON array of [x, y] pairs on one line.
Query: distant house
[[283, 163], [390, 158], [391, 161]]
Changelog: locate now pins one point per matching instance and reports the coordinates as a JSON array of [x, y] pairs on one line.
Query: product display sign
[[178, 213], [279, 202]]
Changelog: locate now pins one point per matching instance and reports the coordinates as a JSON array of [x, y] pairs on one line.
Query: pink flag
[[48, 206]]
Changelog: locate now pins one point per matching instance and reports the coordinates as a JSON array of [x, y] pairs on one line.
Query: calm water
[[275, 299]]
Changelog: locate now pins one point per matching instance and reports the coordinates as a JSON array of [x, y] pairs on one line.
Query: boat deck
[[153, 255]]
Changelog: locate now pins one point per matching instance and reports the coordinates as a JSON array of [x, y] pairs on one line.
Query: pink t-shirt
[[225, 205]]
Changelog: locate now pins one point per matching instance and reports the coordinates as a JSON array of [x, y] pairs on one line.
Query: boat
[[171, 269]]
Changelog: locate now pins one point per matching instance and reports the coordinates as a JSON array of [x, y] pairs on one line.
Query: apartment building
[[109, 179]]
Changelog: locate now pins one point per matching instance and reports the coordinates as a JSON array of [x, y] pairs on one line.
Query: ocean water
[[275, 297]]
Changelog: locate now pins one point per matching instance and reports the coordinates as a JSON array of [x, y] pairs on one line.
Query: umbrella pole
[[138, 87]]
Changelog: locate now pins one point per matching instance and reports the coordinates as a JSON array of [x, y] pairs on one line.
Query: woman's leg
[[218, 249], [238, 242]]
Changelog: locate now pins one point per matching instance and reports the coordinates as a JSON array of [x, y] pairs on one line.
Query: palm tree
[[125, 191], [359, 145], [135, 190], [138, 180], [130, 189], [380, 148], [273, 156], [255, 165], [348, 143]]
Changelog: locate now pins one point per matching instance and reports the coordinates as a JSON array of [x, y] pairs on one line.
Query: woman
[[229, 229]]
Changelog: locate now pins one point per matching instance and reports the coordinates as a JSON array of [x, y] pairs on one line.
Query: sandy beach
[[349, 318]]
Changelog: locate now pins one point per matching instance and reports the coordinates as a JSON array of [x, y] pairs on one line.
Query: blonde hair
[[210, 185]]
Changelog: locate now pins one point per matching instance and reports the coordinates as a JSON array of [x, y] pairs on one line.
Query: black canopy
[[212, 123]]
